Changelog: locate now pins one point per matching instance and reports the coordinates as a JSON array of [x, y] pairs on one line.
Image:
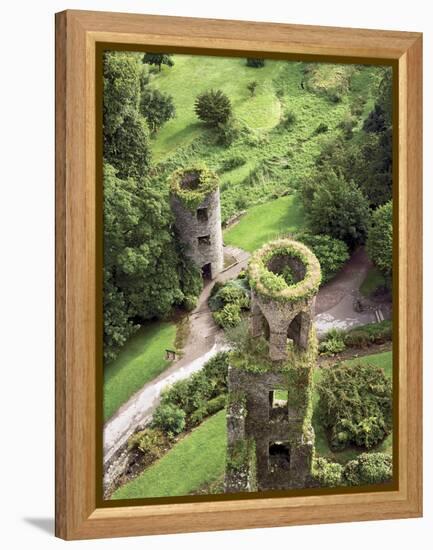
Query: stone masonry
[[276, 390], [200, 230]]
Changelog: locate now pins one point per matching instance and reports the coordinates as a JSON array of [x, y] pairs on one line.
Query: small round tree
[[255, 62], [213, 107], [156, 107], [379, 239], [158, 59]]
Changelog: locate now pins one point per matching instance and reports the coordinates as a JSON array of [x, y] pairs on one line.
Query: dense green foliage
[[339, 209], [379, 240], [355, 405], [255, 62], [151, 442], [197, 459], [333, 343], [145, 270], [158, 59], [368, 468], [213, 107], [196, 396], [331, 253], [156, 107], [327, 473], [228, 300], [169, 419], [366, 335]]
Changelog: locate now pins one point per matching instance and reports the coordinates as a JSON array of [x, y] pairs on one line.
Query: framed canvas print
[[238, 274]]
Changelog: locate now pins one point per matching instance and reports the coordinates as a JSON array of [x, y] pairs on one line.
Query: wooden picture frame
[[79, 513]]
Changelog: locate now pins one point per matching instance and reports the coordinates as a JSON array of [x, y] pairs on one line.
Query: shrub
[[169, 418], [364, 336], [216, 404], [368, 468], [151, 442], [228, 132], [216, 370], [189, 302], [287, 120], [322, 128], [213, 107], [156, 107], [252, 87], [332, 253], [233, 292], [333, 343], [355, 405], [255, 63], [228, 316], [231, 163], [379, 239], [326, 473]]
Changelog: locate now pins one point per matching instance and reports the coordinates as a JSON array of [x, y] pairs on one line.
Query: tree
[[379, 239], [127, 149], [158, 59], [331, 253], [143, 268], [252, 87], [122, 73], [213, 107], [156, 107], [255, 62], [339, 209], [125, 131]]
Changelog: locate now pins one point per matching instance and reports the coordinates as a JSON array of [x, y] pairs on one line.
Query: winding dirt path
[[203, 342]]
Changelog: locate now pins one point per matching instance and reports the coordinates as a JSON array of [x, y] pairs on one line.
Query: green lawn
[[192, 75], [265, 222], [275, 160], [382, 360], [197, 459], [141, 359], [373, 280]]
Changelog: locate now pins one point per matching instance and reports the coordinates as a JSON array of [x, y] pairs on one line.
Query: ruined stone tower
[[270, 437], [195, 202]]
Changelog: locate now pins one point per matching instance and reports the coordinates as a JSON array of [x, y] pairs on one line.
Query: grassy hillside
[[265, 222], [141, 359], [275, 159], [197, 459]]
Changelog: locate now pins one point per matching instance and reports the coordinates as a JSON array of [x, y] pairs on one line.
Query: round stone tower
[[285, 277], [195, 202], [270, 439]]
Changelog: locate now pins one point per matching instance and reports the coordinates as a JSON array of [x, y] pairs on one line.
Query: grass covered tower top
[[284, 270], [193, 184]]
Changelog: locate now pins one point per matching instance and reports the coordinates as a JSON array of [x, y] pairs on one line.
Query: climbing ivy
[[203, 182]]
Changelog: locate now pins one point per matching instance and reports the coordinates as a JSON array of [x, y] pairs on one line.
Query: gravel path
[[203, 342]]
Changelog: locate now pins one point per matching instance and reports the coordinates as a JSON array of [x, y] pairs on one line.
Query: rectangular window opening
[[202, 215], [205, 240], [279, 455]]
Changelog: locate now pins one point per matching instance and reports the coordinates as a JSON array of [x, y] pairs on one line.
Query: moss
[[193, 184], [274, 286]]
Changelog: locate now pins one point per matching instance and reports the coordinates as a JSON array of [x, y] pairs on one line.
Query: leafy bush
[[332, 253], [364, 336], [231, 163], [156, 107], [379, 239], [326, 473], [322, 128], [368, 468], [333, 343], [255, 63], [252, 87], [216, 404], [355, 405], [339, 209], [287, 120], [169, 418], [151, 442], [213, 107], [197, 395], [228, 132], [228, 316]]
